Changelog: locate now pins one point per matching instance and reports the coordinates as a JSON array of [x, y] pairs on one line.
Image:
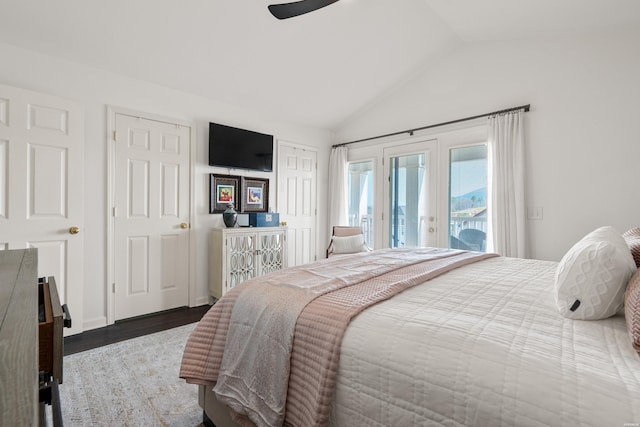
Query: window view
[[468, 198], [408, 203], [360, 184]]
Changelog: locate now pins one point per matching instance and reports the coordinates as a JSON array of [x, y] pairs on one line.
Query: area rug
[[131, 383]]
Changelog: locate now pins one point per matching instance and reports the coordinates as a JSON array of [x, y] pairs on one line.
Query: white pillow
[[349, 244], [592, 276]]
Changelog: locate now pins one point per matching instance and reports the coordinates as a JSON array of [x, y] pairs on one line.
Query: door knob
[[184, 225], [74, 230]]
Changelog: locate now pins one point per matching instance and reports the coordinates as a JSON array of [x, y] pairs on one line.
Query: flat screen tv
[[231, 147]]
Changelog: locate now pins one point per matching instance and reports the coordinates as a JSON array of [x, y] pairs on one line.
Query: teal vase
[[230, 216]]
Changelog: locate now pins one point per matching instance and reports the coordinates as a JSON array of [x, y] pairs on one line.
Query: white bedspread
[[485, 346]]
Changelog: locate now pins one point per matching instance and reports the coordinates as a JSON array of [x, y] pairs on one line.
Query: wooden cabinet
[[19, 337], [239, 254], [31, 322]]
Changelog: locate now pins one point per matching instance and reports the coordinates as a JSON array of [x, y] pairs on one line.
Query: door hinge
[[115, 135], [113, 288], [114, 211]]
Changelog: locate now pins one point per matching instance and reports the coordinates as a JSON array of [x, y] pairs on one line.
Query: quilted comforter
[[484, 345]]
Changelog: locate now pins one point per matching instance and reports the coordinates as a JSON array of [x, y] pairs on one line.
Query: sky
[[468, 176]]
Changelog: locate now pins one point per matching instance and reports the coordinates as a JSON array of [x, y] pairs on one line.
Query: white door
[[410, 195], [41, 187], [297, 172], [151, 216]]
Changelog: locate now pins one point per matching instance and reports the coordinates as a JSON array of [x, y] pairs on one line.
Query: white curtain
[[338, 203], [506, 216]]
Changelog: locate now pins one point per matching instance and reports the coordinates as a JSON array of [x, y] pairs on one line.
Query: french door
[[429, 192], [410, 195]]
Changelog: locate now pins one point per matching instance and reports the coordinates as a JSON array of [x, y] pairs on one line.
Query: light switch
[[535, 213]]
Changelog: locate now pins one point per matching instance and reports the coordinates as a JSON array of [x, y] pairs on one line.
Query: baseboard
[[202, 301], [98, 322]]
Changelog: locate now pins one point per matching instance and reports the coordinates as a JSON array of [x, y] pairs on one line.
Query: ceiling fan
[[296, 8]]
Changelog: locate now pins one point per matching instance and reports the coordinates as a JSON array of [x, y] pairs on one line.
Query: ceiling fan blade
[[296, 8]]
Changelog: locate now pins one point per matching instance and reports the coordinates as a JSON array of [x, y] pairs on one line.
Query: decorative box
[[264, 219]]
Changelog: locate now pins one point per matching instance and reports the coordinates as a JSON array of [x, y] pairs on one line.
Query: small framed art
[[255, 195], [223, 191]]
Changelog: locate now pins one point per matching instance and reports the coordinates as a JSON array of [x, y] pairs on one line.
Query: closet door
[[41, 187], [297, 172], [151, 216]]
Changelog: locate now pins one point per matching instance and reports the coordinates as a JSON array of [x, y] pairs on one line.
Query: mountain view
[[471, 202]]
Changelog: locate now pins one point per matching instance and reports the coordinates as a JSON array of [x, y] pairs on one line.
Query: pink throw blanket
[[283, 337]]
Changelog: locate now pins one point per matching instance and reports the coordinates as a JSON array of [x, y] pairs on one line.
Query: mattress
[[484, 345]]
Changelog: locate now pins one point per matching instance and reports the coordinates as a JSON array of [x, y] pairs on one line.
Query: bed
[[481, 341]]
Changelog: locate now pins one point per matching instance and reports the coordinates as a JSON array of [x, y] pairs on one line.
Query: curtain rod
[[526, 108]]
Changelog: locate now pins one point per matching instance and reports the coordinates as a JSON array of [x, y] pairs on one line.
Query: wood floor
[[131, 328]]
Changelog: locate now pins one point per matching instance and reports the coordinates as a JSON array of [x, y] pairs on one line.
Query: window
[[468, 198], [361, 186]]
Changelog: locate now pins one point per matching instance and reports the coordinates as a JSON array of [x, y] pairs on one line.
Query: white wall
[[95, 90], [583, 138]]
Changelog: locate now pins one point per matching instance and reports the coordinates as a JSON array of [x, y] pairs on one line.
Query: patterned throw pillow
[[632, 237], [592, 277], [632, 309]]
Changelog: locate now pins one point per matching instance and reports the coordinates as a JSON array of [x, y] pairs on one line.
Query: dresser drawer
[[51, 317]]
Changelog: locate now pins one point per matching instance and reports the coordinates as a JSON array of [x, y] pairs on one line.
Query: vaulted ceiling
[[318, 69]]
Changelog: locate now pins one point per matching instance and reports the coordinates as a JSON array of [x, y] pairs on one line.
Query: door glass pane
[[360, 186], [468, 198], [407, 201]]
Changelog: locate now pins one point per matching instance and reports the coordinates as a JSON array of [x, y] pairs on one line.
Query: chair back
[[455, 243], [473, 238], [346, 230]]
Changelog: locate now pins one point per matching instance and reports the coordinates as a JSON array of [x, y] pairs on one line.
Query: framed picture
[[224, 190], [255, 195]]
